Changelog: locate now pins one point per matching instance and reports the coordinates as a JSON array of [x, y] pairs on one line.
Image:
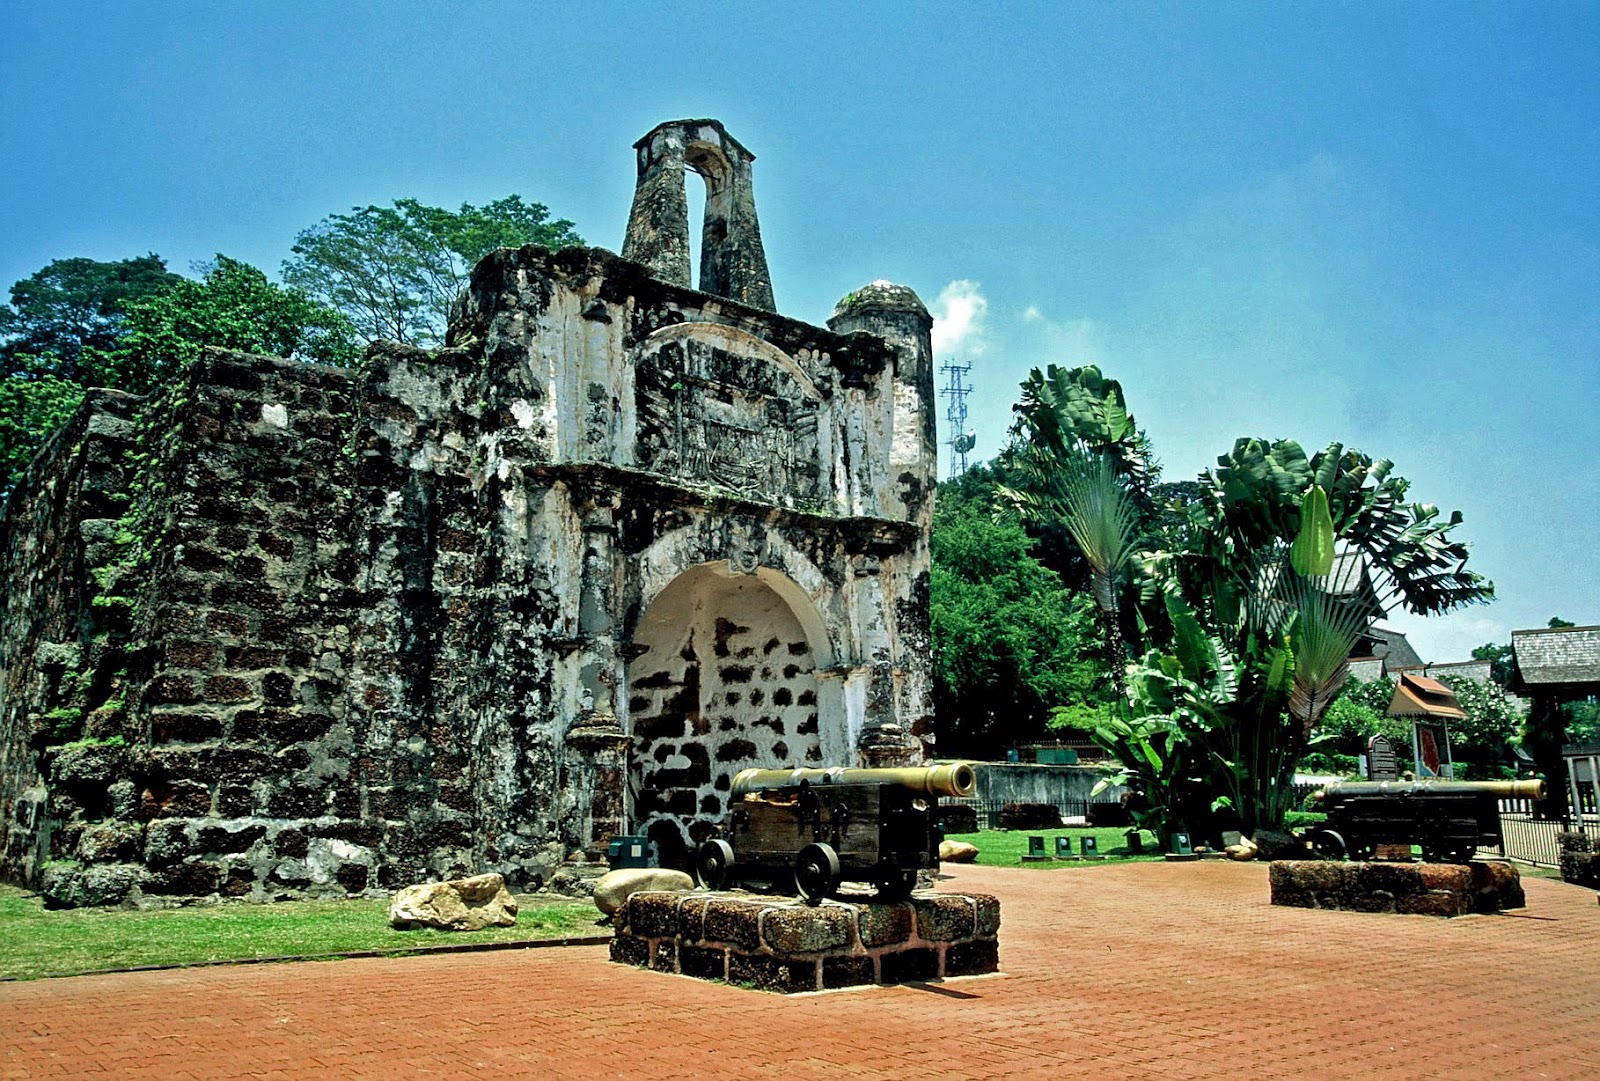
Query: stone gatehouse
[[286, 630]]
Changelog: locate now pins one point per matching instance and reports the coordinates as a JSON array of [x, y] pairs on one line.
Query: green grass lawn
[[38, 942], [1005, 848]]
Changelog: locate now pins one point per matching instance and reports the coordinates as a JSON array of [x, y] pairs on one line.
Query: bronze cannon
[[815, 828], [1449, 819]]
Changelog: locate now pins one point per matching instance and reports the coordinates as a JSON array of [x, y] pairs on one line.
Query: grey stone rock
[[614, 888], [462, 904]]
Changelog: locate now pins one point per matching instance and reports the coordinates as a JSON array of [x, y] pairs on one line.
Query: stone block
[[944, 917], [972, 958], [909, 966], [1444, 903], [219, 839], [1444, 876], [1426, 889], [111, 842], [771, 973], [1496, 887], [692, 918], [884, 925], [803, 929], [240, 882], [196, 878], [736, 923], [184, 726], [665, 958], [1370, 901], [652, 914], [180, 799], [1394, 879], [987, 912], [703, 962], [166, 842], [848, 971]]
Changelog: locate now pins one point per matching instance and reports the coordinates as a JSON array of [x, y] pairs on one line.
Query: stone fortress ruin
[[284, 630]]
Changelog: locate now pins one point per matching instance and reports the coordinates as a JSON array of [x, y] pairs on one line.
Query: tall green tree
[[1482, 740], [73, 306], [395, 271], [1083, 477], [233, 306], [1014, 651]]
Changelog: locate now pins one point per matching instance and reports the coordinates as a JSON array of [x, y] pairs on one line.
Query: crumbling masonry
[[288, 630]]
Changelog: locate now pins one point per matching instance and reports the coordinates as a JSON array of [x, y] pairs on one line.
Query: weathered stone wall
[[470, 609], [60, 652]]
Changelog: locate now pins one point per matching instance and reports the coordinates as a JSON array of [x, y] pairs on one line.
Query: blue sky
[[1369, 223]]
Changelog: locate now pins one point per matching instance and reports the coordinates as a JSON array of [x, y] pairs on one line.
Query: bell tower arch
[[733, 263]]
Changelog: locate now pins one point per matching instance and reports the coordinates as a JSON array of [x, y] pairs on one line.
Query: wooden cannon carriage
[[1449, 819], [815, 828]]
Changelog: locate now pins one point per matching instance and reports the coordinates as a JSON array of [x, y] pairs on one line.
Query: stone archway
[[728, 682]]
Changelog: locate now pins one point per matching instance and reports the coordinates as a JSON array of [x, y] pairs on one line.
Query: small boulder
[[615, 887], [1245, 849], [462, 904], [957, 852]]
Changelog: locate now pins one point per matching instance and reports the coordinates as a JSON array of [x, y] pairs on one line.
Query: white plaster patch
[[523, 411], [275, 414]]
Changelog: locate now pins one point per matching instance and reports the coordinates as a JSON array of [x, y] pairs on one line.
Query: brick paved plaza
[[1147, 970]]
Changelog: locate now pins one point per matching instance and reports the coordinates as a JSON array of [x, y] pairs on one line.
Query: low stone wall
[[784, 945], [1418, 889]]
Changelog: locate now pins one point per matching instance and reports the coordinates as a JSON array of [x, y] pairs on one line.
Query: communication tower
[[955, 415]]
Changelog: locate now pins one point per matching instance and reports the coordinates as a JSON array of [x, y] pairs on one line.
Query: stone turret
[[733, 263]]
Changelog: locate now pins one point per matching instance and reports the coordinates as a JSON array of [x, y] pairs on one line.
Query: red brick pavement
[[1148, 970]]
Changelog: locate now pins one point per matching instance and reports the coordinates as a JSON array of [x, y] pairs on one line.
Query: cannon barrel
[[1498, 789], [949, 779]]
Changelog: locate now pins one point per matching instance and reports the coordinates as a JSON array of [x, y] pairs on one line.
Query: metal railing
[[1536, 840], [1075, 812]]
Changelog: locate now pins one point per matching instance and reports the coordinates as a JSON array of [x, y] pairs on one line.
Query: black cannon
[[815, 828], [1449, 819]]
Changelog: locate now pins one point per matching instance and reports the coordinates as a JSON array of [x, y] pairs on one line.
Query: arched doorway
[[728, 682]]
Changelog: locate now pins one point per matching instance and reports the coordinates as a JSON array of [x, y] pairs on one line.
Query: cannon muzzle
[[949, 779], [1498, 789]]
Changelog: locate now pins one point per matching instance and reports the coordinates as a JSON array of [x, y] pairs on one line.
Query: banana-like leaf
[[1194, 650], [1312, 551]]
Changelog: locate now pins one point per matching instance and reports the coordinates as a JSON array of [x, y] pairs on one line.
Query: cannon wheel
[[816, 872], [895, 884], [714, 863], [1328, 843]]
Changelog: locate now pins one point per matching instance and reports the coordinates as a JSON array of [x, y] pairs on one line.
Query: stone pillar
[[596, 745], [899, 710], [733, 262]]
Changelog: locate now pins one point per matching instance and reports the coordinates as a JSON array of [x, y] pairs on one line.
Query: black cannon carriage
[[1449, 819], [816, 828]]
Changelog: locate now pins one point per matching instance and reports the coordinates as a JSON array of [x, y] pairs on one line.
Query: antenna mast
[[955, 414]]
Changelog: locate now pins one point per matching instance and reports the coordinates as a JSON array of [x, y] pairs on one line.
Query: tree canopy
[[1013, 648], [1247, 588], [395, 271], [74, 306], [233, 306], [129, 324]]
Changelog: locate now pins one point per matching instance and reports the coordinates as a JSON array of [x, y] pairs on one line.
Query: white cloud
[[1453, 637], [1032, 313], [958, 320]]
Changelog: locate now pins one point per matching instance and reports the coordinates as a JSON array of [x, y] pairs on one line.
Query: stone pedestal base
[[1419, 889], [780, 944]]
